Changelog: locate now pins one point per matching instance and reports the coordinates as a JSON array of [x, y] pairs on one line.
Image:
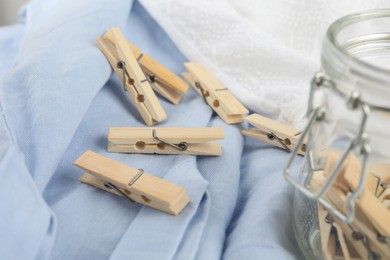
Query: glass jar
[[349, 111]]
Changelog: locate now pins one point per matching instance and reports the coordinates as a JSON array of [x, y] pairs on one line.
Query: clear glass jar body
[[356, 60]]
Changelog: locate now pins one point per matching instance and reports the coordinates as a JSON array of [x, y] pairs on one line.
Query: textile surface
[[265, 51], [58, 97]]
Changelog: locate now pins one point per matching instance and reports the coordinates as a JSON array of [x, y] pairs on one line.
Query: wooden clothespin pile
[[140, 74], [368, 235]]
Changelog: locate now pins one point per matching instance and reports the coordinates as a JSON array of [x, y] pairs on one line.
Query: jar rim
[[337, 26]]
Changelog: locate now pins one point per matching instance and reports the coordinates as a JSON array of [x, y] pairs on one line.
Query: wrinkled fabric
[[26, 221], [265, 52], [58, 98]]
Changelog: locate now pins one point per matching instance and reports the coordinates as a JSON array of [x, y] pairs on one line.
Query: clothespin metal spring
[[205, 93], [272, 136], [150, 78], [384, 240], [110, 186], [371, 255], [122, 65], [182, 146]]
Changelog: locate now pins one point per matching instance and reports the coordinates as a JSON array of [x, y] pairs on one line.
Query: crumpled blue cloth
[[58, 98]]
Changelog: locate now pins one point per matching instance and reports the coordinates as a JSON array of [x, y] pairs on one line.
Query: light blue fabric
[[26, 221], [58, 98]]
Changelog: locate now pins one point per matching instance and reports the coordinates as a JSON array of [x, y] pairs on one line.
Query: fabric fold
[[96, 218], [155, 227], [262, 222], [191, 239], [27, 223], [60, 97], [57, 73], [223, 175], [265, 53]]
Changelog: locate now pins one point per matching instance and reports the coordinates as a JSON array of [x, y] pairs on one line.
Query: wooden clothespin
[[373, 181], [361, 235], [385, 196], [215, 94], [386, 203], [163, 81], [194, 141], [348, 179], [136, 83], [365, 240], [328, 240], [333, 241], [374, 184], [273, 132], [359, 242], [134, 184], [382, 172]]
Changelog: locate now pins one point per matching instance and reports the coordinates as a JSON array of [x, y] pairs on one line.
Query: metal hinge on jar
[[358, 143]]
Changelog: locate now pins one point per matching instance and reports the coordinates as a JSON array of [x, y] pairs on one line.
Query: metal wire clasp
[[150, 78], [273, 136], [317, 116], [205, 94], [182, 146], [110, 186], [122, 65]]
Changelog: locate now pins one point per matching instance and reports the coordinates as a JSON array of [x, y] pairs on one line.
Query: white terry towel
[[264, 51]]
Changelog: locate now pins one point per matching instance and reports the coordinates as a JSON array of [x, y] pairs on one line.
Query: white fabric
[[265, 52]]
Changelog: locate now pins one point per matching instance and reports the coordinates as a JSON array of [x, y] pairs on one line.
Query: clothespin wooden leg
[[328, 245], [171, 95], [215, 94]]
